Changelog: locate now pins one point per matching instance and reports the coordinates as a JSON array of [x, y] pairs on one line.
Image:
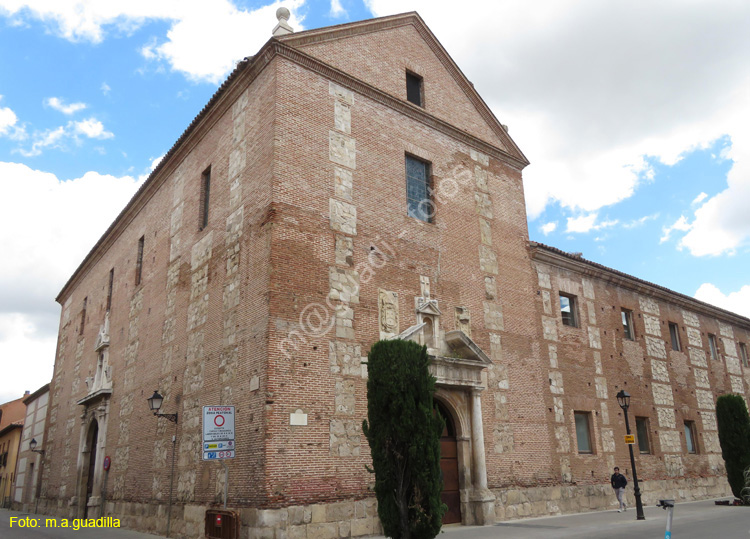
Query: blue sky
[[634, 118]]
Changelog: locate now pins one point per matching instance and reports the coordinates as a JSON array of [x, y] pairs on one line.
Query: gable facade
[[307, 258]]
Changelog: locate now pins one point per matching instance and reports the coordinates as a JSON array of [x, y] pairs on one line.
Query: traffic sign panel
[[630, 439], [218, 423], [218, 455]]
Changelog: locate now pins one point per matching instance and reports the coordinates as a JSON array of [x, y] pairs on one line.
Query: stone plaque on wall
[[387, 313]]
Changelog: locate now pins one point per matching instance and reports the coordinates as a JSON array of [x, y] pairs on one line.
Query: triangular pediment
[[405, 43], [463, 346], [428, 306]]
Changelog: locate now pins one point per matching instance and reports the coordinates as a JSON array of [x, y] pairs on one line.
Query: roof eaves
[[625, 279]]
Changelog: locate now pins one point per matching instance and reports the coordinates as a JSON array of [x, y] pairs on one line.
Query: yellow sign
[[630, 439]]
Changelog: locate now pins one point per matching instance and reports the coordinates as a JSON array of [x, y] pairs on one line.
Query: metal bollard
[[668, 506]]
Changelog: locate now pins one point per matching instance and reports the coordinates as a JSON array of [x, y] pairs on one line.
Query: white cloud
[[155, 162], [337, 10], [593, 91], [105, 88], [91, 128], [28, 355], [587, 223], [548, 228], [635, 223], [58, 137], [44, 256], [680, 224], [700, 198], [226, 34], [8, 119], [737, 302], [57, 104]]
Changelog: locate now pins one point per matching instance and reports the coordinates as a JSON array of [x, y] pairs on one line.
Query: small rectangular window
[[139, 261], [641, 429], [712, 346], [83, 315], [690, 437], [674, 336], [414, 89], [743, 354], [568, 310], [205, 196], [583, 431], [627, 324], [418, 201], [109, 288]]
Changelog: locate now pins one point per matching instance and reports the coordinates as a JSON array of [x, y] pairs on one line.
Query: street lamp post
[[154, 404], [623, 399]]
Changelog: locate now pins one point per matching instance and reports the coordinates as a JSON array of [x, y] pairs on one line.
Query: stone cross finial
[[283, 28]]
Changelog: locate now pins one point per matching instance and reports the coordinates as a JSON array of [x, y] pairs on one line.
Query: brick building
[[344, 185], [31, 459], [11, 424]]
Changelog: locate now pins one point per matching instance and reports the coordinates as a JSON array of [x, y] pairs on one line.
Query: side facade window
[[691, 437], [627, 324], [674, 336], [414, 89], [109, 288], [743, 354], [139, 261], [569, 310], [83, 315], [712, 346], [418, 201], [583, 431], [641, 429], [205, 197]]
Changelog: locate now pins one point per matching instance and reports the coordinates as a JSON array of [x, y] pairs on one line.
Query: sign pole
[[226, 482]]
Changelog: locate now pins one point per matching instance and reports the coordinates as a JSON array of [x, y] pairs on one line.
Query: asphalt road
[[695, 520]]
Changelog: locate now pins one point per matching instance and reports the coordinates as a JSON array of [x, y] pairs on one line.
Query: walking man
[[619, 482]]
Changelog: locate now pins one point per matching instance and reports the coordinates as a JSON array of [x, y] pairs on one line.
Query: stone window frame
[[415, 80], [691, 436], [713, 346], [628, 328], [139, 261], [572, 318], [426, 218], [646, 422], [743, 354], [83, 315], [586, 417], [674, 336], [204, 200], [110, 288]]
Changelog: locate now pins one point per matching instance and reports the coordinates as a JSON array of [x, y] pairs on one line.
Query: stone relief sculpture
[[388, 313], [463, 320]]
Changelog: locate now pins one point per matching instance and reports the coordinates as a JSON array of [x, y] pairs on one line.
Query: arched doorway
[[92, 440], [449, 467]]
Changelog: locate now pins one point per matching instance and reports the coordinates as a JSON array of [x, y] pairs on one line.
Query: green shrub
[[404, 436], [734, 437]]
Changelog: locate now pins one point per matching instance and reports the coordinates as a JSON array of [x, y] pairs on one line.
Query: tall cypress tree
[[403, 431], [734, 437]]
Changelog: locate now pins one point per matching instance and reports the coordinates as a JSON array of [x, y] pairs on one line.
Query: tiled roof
[[577, 257]]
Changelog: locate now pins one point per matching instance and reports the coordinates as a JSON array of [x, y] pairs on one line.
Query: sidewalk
[[694, 520]]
